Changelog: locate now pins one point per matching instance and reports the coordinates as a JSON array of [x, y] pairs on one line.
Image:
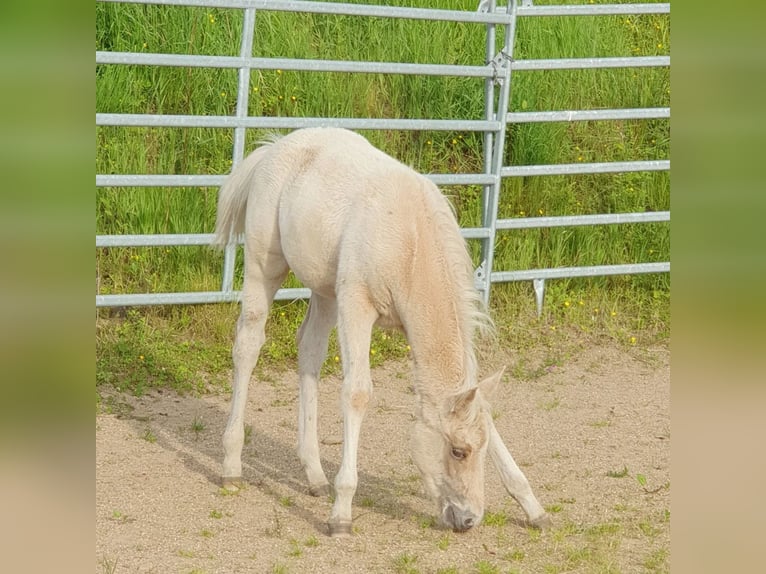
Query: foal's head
[[449, 447]]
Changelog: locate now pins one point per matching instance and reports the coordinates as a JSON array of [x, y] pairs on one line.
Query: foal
[[376, 243]]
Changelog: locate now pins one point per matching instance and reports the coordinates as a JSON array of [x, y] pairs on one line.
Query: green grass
[[188, 349]]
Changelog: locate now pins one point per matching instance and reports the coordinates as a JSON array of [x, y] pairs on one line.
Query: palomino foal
[[376, 243]]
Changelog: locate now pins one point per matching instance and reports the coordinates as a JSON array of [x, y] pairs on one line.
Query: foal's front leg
[[355, 320], [514, 480]]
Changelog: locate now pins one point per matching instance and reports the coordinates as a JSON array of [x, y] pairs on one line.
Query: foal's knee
[[357, 400]]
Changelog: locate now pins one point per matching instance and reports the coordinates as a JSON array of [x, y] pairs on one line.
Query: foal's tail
[[232, 199]]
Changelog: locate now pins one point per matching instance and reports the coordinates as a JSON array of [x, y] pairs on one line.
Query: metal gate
[[497, 74]]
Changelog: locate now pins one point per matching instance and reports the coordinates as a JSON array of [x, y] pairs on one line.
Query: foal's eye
[[458, 453]]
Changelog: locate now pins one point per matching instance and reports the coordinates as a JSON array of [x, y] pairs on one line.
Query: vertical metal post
[[481, 277], [502, 63], [243, 94]]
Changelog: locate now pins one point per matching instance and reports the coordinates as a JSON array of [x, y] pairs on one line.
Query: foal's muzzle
[[458, 519]]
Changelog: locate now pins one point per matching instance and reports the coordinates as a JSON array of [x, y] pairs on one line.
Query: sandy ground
[[592, 435]]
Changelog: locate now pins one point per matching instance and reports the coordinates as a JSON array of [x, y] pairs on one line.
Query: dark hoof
[[321, 490], [232, 483], [543, 522], [340, 529]]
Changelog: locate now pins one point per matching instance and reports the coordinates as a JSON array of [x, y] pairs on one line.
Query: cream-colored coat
[[377, 243]]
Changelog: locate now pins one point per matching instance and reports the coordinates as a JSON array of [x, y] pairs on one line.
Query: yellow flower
[[613, 313], [522, 213], [540, 211], [566, 303], [336, 358], [553, 327], [409, 348], [141, 357], [279, 71], [632, 340], [581, 302], [429, 142], [372, 351]]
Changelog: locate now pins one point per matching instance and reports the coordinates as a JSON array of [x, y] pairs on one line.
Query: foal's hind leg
[[260, 285], [514, 480], [312, 350]]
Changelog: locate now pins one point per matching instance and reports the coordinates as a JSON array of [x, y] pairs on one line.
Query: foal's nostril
[[468, 523]]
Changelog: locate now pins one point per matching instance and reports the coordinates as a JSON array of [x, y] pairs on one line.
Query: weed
[[248, 434], [443, 542], [486, 567], [552, 404], [554, 508], [279, 568], [109, 566], [648, 529], [657, 561], [205, 533], [149, 436], [366, 502], [312, 541], [295, 549], [618, 473], [121, 517], [186, 554], [515, 555], [216, 514], [405, 564], [197, 426], [448, 570], [287, 501], [497, 519], [426, 521]]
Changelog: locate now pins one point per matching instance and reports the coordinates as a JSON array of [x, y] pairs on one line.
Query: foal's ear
[[462, 403], [491, 384]]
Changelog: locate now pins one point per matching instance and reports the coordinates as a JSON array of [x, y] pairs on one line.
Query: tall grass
[[165, 90]]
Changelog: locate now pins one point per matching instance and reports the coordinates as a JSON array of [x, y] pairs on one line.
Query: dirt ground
[[592, 435]]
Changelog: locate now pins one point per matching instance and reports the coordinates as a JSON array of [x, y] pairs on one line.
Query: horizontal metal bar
[[302, 293], [190, 121], [340, 9], [136, 180], [192, 298], [589, 63], [112, 180], [591, 271], [154, 240], [588, 115], [583, 168], [573, 220], [592, 10], [186, 239], [180, 239], [292, 64]]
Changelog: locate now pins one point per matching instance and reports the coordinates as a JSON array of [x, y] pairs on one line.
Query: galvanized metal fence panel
[[497, 74]]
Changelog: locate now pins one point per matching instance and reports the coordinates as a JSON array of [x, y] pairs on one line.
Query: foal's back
[[346, 212]]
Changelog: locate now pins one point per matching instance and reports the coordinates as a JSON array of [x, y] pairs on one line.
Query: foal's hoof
[[340, 529], [320, 490], [543, 522], [232, 483]]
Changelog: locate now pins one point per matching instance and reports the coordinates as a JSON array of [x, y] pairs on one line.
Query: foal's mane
[[468, 305]]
